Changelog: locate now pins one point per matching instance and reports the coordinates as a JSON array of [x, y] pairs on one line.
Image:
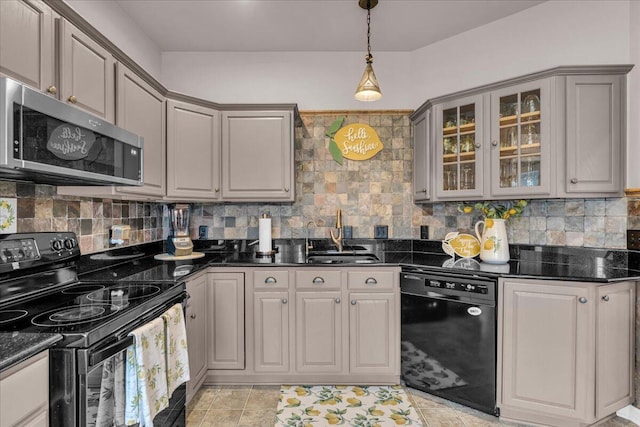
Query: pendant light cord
[[369, 56]]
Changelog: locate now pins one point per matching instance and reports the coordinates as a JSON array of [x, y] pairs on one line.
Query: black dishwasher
[[448, 334]]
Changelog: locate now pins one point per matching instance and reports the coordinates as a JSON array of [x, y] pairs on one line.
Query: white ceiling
[[310, 25]]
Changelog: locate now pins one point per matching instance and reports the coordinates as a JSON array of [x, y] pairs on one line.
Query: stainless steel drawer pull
[[270, 279], [284, 300], [318, 280], [371, 281], [605, 298], [582, 300]]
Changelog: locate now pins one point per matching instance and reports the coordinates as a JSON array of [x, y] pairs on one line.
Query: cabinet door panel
[[373, 334], [87, 73], [318, 332], [141, 110], [197, 332], [521, 139], [615, 338], [421, 164], [27, 42], [225, 294], [193, 151], [271, 331], [546, 348], [257, 156], [594, 134], [458, 148]]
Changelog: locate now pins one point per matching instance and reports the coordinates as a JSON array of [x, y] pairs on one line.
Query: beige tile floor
[[255, 406]]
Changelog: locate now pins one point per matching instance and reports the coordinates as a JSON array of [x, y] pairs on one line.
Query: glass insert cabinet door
[[459, 158], [520, 140]]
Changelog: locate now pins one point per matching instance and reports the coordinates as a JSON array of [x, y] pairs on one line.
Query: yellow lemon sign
[[463, 245], [358, 141]]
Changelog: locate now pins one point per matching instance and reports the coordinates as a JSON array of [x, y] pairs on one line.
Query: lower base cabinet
[[334, 325], [566, 350], [196, 324], [24, 393], [225, 321]]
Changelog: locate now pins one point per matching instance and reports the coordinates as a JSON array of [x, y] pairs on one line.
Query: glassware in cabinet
[[459, 148]]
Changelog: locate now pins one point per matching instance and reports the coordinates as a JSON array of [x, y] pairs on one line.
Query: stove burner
[[74, 315], [117, 294], [82, 289], [11, 315]]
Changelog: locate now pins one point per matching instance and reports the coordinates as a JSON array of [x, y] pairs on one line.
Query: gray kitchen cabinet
[[421, 157], [27, 43], [141, 110], [270, 326], [565, 350], [193, 151], [555, 133], [226, 321], [458, 153], [257, 156], [319, 324], [196, 322], [374, 329], [595, 128], [24, 393], [86, 72]]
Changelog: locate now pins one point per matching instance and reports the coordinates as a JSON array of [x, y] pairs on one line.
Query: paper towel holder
[[266, 254]]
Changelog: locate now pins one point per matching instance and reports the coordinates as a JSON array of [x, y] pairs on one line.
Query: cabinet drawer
[[371, 280], [271, 280], [318, 279]]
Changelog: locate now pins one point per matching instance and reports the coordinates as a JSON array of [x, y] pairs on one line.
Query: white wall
[[108, 18], [315, 81]]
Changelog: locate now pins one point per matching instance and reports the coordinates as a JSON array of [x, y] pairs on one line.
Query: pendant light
[[368, 89]]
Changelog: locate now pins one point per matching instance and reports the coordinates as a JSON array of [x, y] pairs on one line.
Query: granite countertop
[[18, 346]]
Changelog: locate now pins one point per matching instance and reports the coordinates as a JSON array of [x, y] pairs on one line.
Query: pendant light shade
[[368, 88]]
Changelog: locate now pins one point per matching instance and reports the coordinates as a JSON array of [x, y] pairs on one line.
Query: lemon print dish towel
[[366, 406]]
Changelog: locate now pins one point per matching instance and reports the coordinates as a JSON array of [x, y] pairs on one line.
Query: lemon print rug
[[358, 406]]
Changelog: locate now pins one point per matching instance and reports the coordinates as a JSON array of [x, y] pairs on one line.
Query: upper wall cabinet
[[86, 73], [27, 43], [257, 156], [557, 133], [141, 110], [193, 151]]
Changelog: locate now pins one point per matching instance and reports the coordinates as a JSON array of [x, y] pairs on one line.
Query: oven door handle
[[104, 353]]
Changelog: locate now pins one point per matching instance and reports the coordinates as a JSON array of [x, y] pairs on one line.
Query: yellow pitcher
[[494, 248]]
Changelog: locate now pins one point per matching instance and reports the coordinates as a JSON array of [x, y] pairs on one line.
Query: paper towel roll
[[264, 233]]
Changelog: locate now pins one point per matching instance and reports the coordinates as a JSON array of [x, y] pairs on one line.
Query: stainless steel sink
[[344, 257]]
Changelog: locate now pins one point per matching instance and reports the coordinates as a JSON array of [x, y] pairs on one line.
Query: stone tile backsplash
[[372, 192]]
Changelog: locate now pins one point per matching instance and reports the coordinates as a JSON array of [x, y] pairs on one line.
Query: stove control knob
[[57, 245], [70, 243]]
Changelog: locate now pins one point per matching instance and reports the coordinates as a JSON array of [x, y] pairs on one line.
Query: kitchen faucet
[[337, 240], [307, 246]]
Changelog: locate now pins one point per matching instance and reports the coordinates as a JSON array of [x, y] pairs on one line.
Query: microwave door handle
[[103, 354]]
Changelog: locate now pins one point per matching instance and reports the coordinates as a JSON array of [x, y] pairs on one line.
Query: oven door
[[96, 397]]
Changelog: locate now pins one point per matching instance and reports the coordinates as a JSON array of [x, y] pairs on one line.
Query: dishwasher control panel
[[458, 286]]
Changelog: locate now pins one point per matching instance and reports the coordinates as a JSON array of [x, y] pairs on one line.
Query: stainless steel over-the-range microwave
[[44, 140]]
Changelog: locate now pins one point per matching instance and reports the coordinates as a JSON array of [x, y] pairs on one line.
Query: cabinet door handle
[[371, 281], [337, 300], [574, 180], [605, 298], [270, 279], [582, 300], [478, 145], [286, 190], [353, 302], [424, 190], [193, 316], [52, 90], [73, 99], [318, 280], [217, 190], [284, 300], [494, 143]]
